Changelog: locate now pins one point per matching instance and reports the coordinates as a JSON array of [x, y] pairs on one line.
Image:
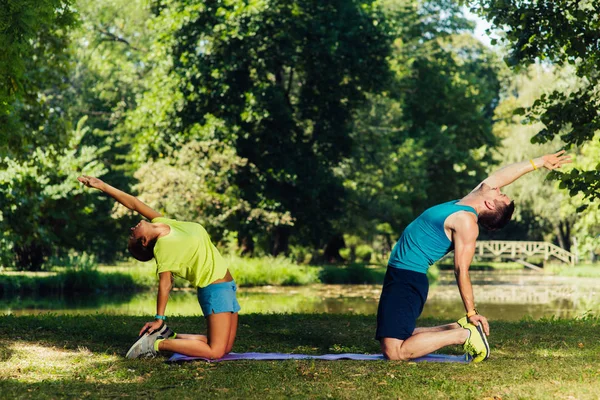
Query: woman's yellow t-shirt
[[188, 253]]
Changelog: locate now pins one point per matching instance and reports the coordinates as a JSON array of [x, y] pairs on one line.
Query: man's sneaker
[[476, 344], [144, 345]]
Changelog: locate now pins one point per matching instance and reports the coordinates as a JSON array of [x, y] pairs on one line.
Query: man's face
[[491, 194]]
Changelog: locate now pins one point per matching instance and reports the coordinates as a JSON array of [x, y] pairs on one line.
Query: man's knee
[[394, 350], [396, 355]]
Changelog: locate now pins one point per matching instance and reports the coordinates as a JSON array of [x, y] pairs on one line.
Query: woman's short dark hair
[[495, 219], [139, 251]]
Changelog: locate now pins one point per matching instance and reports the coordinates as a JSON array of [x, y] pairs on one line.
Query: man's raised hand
[[90, 181], [556, 160]]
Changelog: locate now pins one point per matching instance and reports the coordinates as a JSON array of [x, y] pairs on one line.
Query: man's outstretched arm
[[507, 175], [126, 199]]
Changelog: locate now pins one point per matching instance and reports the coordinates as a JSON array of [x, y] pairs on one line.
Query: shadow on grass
[[312, 333], [6, 352]]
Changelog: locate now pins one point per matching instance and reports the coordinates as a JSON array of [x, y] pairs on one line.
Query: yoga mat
[[463, 359]]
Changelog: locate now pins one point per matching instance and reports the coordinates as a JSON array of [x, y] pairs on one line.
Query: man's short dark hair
[[139, 251], [495, 219]]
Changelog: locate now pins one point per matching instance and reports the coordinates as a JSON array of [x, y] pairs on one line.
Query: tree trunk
[[332, 249], [30, 257], [245, 244], [563, 234], [281, 236]]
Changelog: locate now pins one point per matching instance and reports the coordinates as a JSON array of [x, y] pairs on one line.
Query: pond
[[500, 296]]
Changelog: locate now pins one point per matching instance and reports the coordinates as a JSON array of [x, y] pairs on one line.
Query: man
[[439, 230]]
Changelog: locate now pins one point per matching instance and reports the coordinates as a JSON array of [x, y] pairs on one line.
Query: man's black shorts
[[402, 299]]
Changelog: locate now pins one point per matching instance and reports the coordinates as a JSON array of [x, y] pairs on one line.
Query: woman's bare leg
[[219, 338], [232, 332], [192, 336]]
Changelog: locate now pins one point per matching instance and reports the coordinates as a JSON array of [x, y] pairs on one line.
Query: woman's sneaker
[[144, 345], [476, 344]]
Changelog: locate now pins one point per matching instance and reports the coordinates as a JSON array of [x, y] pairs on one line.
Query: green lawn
[[82, 356]]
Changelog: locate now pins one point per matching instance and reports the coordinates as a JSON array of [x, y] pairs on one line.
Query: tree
[[284, 77], [33, 65], [198, 184], [562, 32], [44, 209], [542, 212], [427, 138]]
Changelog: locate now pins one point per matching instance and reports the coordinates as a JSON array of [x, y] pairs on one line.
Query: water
[[499, 296]]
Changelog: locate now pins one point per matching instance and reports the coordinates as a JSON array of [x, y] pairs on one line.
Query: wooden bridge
[[519, 250]]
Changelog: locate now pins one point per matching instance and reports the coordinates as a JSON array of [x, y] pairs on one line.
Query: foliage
[[197, 183], [72, 260], [427, 138], [271, 271], [33, 65], [561, 32], [70, 283], [43, 205], [352, 274], [284, 78], [544, 211]]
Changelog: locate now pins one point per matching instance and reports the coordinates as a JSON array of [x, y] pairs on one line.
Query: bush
[[270, 271], [364, 252], [69, 282], [352, 274]]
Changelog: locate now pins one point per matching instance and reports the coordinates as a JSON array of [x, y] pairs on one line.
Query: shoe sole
[[487, 346], [141, 337], [137, 343]]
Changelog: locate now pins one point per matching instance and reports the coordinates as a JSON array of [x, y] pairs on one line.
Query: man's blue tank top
[[424, 241]]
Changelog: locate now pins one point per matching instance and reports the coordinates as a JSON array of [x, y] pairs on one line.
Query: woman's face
[[140, 231]]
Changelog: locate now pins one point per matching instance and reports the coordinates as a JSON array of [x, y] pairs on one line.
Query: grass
[[586, 271], [81, 356]]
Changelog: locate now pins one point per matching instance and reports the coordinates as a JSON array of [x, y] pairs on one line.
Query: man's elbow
[[460, 269]]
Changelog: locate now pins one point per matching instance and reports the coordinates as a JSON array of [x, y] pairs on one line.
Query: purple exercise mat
[[463, 359]]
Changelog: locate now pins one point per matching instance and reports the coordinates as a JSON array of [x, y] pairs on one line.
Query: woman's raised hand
[[90, 181]]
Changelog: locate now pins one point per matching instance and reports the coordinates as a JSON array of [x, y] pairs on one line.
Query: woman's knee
[[217, 353]]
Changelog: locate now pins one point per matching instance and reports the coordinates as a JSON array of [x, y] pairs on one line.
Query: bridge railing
[[522, 249]]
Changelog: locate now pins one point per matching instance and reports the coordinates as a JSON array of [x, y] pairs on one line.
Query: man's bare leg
[[421, 344], [438, 328]]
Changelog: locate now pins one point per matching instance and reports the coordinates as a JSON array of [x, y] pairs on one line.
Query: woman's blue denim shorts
[[218, 298]]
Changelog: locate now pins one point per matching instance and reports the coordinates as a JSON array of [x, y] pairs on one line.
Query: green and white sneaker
[[476, 344], [144, 345]]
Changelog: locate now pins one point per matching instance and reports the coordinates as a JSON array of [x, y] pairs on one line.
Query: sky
[[482, 25]]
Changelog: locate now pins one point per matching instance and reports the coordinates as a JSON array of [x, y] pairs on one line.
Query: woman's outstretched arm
[[126, 199]]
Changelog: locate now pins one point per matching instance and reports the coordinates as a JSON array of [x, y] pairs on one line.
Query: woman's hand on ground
[[480, 319], [151, 326], [90, 181]]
